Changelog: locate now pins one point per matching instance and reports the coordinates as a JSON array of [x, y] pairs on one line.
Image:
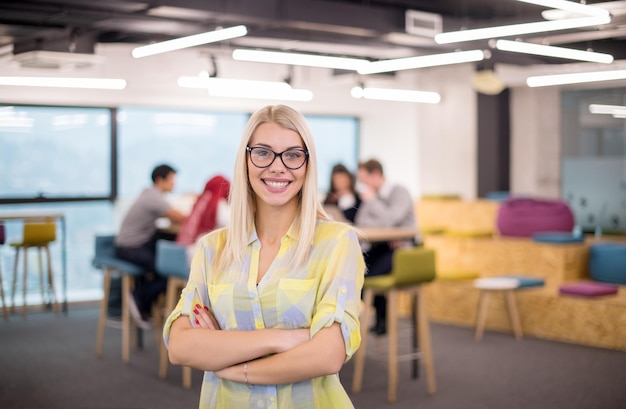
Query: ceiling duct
[[73, 50], [422, 24]]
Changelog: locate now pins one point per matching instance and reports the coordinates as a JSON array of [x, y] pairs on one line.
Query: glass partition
[[594, 158]]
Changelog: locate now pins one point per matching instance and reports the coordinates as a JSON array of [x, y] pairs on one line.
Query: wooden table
[[34, 217], [386, 233]]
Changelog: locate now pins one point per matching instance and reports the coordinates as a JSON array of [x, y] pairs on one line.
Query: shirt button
[[256, 300], [259, 325], [272, 399], [343, 290]]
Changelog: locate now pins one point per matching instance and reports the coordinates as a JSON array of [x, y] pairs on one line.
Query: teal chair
[[411, 268], [171, 262], [5, 312], [106, 260]]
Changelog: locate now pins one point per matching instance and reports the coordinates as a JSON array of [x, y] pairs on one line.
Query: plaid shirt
[[326, 289]]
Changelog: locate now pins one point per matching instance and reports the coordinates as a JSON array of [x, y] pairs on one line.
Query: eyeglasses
[[293, 158]]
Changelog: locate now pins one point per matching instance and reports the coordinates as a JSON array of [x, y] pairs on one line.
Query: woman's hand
[[292, 338], [203, 318]]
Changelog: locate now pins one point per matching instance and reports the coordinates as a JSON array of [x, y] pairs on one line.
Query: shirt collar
[[292, 233]]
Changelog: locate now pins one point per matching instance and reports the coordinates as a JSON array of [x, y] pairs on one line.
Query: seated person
[[137, 238], [342, 192], [209, 212], [383, 205]]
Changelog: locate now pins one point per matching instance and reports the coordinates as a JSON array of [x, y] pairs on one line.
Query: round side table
[[489, 285]]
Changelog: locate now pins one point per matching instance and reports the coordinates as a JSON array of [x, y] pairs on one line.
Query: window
[[55, 152]]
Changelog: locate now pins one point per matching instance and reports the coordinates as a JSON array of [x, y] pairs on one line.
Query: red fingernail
[[198, 306], [195, 311], [197, 322], [206, 308]]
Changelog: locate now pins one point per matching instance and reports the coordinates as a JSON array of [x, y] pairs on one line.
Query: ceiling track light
[[575, 78], [422, 61], [618, 111], [289, 58], [571, 6], [237, 88], [400, 95], [551, 51], [190, 41], [519, 29], [60, 82]]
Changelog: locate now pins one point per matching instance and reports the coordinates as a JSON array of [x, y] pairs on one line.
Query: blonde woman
[[271, 308]]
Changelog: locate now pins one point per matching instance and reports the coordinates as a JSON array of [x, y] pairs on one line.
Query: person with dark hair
[[383, 205], [137, 238], [342, 192]]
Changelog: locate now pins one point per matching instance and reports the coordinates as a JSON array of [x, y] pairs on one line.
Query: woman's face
[[276, 185], [341, 182]]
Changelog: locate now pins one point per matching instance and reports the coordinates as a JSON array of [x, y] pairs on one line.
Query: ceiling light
[[291, 94], [518, 29], [226, 87], [575, 78], [310, 60], [551, 51], [618, 111], [422, 61], [388, 94], [92, 83], [190, 41], [570, 6]]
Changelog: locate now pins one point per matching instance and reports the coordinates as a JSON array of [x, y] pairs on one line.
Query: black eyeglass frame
[[249, 149]]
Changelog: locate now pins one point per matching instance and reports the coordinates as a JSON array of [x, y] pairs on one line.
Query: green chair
[[411, 268], [39, 236]]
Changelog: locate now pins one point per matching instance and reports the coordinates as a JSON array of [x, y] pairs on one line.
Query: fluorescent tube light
[[309, 60], [290, 94], [618, 111], [226, 87], [570, 6], [550, 51], [92, 83], [422, 61], [190, 41], [389, 94], [517, 29], [575, 78], [225, 83]]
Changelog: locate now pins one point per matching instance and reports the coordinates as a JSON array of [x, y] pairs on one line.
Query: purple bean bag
[[521, 217]]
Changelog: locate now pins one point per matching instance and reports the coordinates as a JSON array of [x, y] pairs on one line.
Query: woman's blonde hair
[[242, 197]]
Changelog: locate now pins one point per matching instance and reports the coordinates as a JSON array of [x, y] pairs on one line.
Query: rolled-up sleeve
[[339, 292]]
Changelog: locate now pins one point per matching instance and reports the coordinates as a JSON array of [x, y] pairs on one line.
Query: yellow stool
[[411, 268], [37, 235]]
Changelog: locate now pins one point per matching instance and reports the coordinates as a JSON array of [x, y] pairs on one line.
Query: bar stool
[[111, 265], [171, 262], [37, 235], [411, 268], [5, 312]]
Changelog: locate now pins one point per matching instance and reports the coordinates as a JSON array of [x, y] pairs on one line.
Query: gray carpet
[[48, 361]]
